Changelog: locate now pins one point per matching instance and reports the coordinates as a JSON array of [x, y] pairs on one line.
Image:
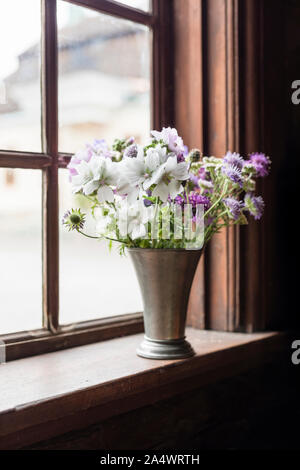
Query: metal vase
[[165, 278]]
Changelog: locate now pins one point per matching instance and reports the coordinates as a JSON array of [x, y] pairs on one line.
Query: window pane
[[140, 4], [94, 283], [20, 97], [20, 250], [104, 70]]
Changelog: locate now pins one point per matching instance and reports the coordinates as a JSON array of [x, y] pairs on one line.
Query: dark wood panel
[[263, 97], [255, 410], [219, 85], [188, 113], [188, 71], [252, 140]]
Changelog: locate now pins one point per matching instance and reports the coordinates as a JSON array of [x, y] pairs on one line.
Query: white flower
[[134, 218], [84, 176], [168, 178], [96, 175], [135, 171], [171, 138], [205, 184], [85, 154], [132, 170], [102, 225], [212, 162], [156, 156], [105, 222]]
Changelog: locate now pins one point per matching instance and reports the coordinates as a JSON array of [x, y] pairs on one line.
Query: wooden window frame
[[53, 336]]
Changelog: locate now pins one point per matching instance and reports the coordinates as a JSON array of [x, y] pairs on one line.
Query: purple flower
[[72, 171], [208, 221], [171, 138], [261, 163], [255, 205], [130, 141], [131, 151], [147, 203], [100, 147], [196, 198], [234, 159], [235, 207], [233, 173], [179, 200], [202, 173], [180, 158], [232, 167], [194, 180]]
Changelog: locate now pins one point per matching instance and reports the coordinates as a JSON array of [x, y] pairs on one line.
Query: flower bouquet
[[163, 203]]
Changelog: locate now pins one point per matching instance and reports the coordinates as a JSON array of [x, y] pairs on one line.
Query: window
[[54, 292]]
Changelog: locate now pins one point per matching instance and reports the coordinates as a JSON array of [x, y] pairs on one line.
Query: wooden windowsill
[[45, 396]]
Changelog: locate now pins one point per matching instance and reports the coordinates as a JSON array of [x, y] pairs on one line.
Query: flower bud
[[74, 219], [131, 151], [195, 155]]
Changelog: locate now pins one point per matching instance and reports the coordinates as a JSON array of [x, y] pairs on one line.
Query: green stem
[[94, 200], [113, 240], [218, 200], [155, 241], [86, 235], [223, 213]]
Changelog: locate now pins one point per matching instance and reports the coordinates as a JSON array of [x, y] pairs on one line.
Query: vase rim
[[169, 250]]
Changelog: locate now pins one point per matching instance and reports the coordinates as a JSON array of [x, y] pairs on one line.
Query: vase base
[[165, 349]]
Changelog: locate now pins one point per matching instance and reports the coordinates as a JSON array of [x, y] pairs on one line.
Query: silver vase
[[165, 278]]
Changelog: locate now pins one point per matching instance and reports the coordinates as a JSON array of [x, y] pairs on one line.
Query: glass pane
[[94, 283], [20, 250], [20, 97], [140, 4], [104, 84]]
